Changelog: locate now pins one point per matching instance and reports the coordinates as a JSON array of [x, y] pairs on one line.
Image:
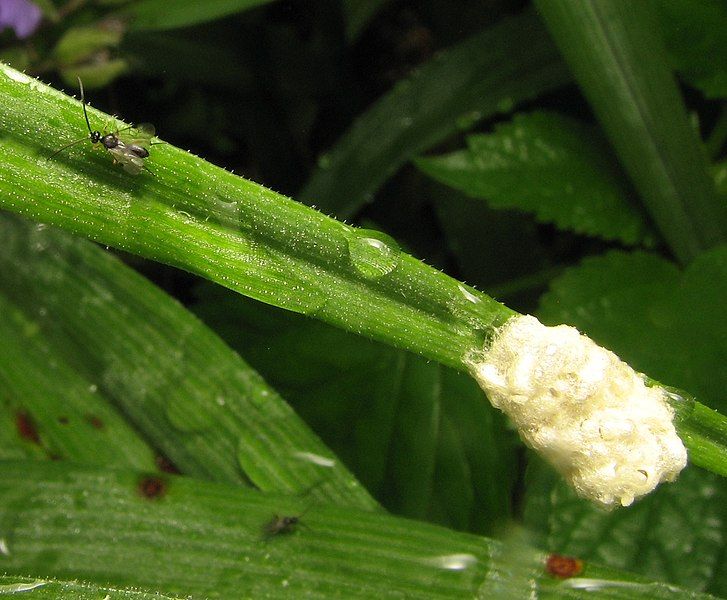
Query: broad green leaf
[[674, 534], [618, 58], [199, 540], [57, 412], [422, 438], [116, 338], [549, 165], [156, 15], [193, 215], [29, 588], [487, 74], [695, 33]]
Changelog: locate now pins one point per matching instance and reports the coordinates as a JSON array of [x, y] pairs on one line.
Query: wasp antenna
[[83, 103], [83, 139]]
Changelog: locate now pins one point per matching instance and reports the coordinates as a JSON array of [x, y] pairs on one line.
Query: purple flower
[[21, 15]]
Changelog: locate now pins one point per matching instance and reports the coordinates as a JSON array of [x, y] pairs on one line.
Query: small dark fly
[[128, 146], [280, 525]]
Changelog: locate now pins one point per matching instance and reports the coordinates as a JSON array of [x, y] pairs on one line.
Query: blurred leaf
[[487, 74], [79, 43], [674, 534], [358, 14], [695, 33], [95, 75], [422, 438], [133, 346], [549, 165], [157, 15], [56, 411], [18, 58], [620, 62], [102, 526]]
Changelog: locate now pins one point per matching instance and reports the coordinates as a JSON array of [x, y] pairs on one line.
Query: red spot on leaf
[[563, 566], [26, 427], [95, 421], [152, 487]]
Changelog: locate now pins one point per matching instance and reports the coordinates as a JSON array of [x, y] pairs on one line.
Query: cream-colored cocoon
[[585, 410]]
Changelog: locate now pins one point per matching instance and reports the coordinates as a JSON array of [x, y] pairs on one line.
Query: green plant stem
[[208, 221], [704, 432], [615, 53]]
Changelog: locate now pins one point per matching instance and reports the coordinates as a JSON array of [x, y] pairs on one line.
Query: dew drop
[[316, 459], [373, 254], [467, 307], [224, 212], [452, 562], [682, 402]]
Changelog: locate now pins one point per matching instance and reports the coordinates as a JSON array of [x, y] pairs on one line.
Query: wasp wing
[[131, 162], [139, 135]]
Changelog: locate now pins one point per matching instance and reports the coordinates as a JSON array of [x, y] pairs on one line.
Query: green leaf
[[58, 412], [157, 15], [548, 165], [422, 438], [661, 322], [79, 43], [674, 534], [196, 216], [102, 526], [616, 54], [114, 337], [485, 75], [695, 33]]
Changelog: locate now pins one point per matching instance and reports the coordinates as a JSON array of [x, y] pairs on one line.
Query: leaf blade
[[620, 63], [548, 165], [192, 396], [157, 15], [477, 79]]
